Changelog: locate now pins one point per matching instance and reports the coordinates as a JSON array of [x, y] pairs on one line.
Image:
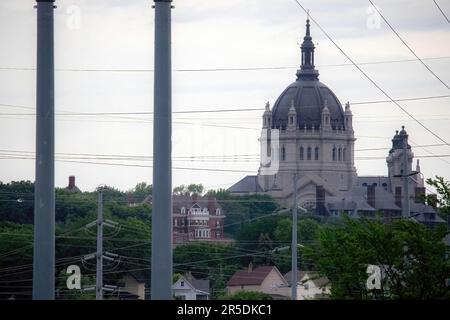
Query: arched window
[[384, 185], [217, 211], [344, 154], [301, 153], [339, 154], [283, 153], [183, 210], [308, 153], [364, 184], [316, 153], [334, 153]]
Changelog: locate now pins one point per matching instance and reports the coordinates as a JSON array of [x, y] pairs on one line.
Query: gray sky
[[113, 34]]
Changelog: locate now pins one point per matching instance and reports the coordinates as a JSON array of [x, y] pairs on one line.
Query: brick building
[[197, 218]]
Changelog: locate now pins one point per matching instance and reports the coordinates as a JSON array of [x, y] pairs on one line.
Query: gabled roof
[[188, 202], [254, 277], [199, 285], [383, 200]]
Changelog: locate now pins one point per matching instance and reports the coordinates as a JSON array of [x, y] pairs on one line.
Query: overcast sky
[[118, 35]]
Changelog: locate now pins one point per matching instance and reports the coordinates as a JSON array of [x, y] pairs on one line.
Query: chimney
[[371, 195], [419, 193], [71, 182], [398, 196], [211, 204], [250, 267], [432, 200], [320, 200]]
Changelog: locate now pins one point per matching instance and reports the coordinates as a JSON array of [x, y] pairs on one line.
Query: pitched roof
[[246, 277], [311, 276], [300, 275], [248, 184], [188, 201], [199, 284]]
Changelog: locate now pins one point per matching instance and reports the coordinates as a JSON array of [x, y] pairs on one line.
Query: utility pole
[[161, 265], [294, 243], [405, 175], [100, 254], [44, 195]]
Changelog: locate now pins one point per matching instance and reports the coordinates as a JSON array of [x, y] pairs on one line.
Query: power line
[[369, 78], [445, 16], [212, 110], [407, 46], [222, 69]]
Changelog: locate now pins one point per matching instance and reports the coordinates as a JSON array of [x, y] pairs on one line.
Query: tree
[[17, 201], [188, 190], [414, 258], [216, 262], [246, 295], [141, 191], [443, 189]]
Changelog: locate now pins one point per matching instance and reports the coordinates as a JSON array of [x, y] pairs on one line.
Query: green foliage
[[188, 190], [246, 295], [443, 188], [132, 240], [216, 262], [415, 259], [241, 210], [141, 191], [63, 293], [16, 257], [16, 202]]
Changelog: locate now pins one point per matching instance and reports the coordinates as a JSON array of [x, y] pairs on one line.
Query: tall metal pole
[[44, 194], [161, 266], [99, 255], [294, 243], [405, 209]]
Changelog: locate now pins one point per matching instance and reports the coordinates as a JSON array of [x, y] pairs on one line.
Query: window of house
[[344, 154], [334, 153], [218, 211], [283, 153], [301, 153], [308, 153], [183, 210], [339, 154], [316, 153], [182, 283]]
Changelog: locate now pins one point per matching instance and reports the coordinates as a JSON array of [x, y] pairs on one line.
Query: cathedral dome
[[307, 94]]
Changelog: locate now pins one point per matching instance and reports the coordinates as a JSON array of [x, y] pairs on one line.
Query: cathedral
[[307, 136]]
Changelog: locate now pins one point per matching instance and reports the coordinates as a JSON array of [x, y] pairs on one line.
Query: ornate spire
[[307, 70]]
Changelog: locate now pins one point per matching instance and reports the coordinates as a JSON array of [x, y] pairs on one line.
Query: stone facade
[[309, 137]]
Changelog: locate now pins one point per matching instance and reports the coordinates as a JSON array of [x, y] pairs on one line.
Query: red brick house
[[197, 218]]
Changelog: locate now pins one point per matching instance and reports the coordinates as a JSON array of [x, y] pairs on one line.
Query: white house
[[309, 285], [187, 287]]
